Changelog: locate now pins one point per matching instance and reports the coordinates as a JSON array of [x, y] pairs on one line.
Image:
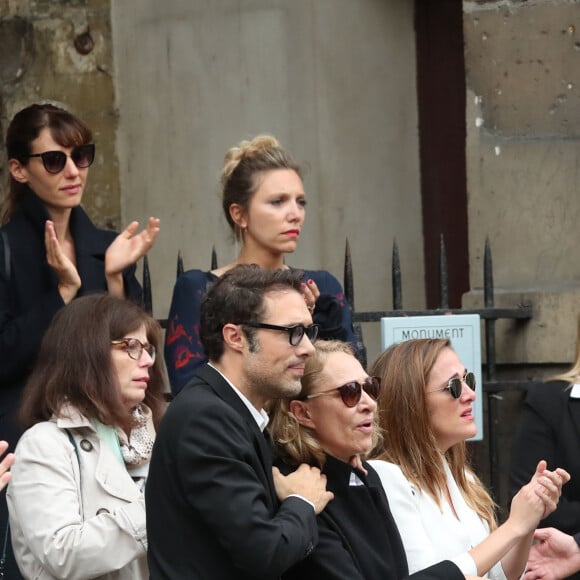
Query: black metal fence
[[489, 314], [491, 388]]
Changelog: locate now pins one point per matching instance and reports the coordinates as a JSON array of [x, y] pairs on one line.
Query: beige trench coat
[[74, 524]]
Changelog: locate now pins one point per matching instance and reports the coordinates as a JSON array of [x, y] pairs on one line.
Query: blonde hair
[[243, 165], [572, 375], [294, 443], [409, 441]]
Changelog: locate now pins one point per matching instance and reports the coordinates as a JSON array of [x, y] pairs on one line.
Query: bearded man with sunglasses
[[215, 509], [50, 251]]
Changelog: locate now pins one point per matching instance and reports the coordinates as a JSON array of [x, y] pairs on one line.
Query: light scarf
[[136, 449]]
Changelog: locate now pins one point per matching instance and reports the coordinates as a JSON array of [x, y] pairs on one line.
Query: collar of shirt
[[261, 417], [575, 391], [354, 480]]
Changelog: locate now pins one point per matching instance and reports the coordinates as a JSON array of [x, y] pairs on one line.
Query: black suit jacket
[[359, 539], [212, 511], [549, 429]]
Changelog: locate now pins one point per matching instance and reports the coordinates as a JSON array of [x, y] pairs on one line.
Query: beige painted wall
[[334, 80]]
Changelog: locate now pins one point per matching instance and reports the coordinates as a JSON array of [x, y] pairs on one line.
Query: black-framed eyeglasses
[[54, 161], [295, 332], [455, 385], [134, 348], [351, 393]]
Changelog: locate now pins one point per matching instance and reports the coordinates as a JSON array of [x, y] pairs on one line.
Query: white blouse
[[431, 533]]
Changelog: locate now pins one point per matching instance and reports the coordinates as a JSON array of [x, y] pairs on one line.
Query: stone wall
[[523, 151], [61, 51]]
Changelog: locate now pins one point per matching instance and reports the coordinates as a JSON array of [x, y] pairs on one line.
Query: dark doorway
[[441, 101]]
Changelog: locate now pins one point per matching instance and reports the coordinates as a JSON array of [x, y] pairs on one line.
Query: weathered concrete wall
[[334, 80], [523, 151], [60, 51]]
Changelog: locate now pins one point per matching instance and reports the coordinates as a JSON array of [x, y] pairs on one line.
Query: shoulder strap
[[74, 444], [6, 256]]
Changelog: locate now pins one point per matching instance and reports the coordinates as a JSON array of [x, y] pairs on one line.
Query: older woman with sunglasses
[[440, 506], [91, 406], [331, 424], [50, 251]]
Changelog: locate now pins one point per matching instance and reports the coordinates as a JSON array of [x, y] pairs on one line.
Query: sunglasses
[[351, 393], [134, 348], [295, 332], [455, 385], [54, 161]]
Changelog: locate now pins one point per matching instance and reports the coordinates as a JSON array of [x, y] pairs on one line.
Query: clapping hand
[[549, 485], [129, 246], [537, 498], [69, 280]]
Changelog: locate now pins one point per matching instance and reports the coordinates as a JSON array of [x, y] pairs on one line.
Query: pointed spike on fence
[[488, 291], [147, 297], [443, 278], [348, 278], [213, 258], [396, 278], [179, 264]]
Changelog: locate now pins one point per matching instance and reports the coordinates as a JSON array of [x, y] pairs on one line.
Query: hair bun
[[247, 150]]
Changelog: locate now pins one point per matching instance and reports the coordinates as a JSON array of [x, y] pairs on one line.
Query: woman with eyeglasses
[[332, 425], [264, 203], [91, 407], [441, 508], [50, 251]]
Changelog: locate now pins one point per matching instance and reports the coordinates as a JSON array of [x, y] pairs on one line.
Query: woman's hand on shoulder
[[5, 464], [129, 246], [69, 280]]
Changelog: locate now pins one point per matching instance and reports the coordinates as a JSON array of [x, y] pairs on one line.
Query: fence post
[[147, 295], [492, 404], [443, 277], [396, 278], [349, 296]]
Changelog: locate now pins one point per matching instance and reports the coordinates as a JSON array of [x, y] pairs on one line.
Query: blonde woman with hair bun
[[264, 203]]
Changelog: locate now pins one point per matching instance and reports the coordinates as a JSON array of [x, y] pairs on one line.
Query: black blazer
[[212, 510], [549, 429], [359, 539], [29, 296]]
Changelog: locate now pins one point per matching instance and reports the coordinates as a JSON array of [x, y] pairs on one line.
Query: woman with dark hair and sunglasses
[[50, 251], [441, 508], [332, 425], [264, 203], [91, 406]]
